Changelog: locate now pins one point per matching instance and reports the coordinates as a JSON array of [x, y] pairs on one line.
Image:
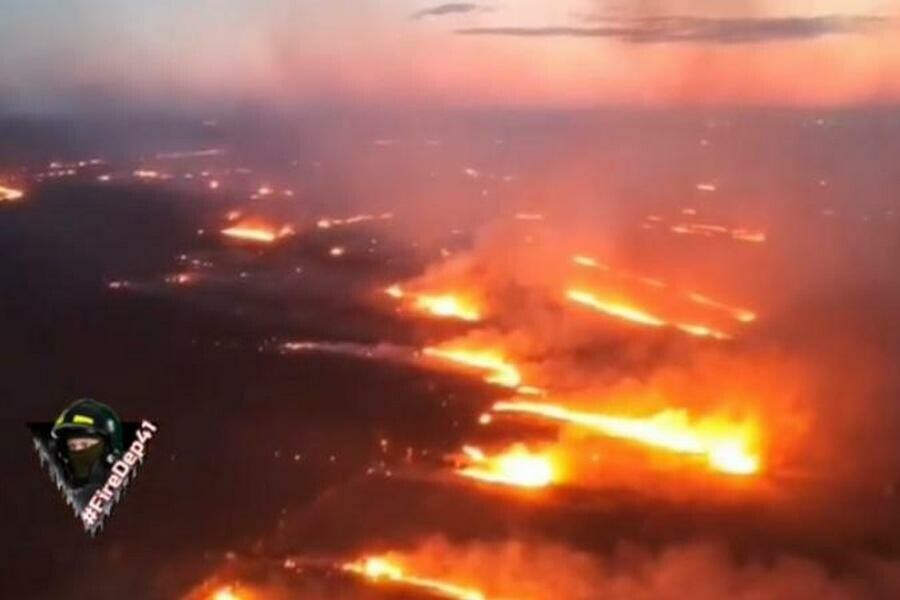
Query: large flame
[[451, 306], [447, 305], [516, 467], [740, 314], [639, 316], [726, 446], [380, 569], [614, 309], [500, 371]]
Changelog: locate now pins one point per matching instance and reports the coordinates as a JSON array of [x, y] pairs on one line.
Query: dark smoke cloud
[[656, 30], [450, 8]]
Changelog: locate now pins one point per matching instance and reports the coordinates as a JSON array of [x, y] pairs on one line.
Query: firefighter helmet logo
[[91, 456]]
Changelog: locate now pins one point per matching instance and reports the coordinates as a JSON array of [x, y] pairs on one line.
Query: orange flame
[[614, 309], [8, 194], [741, 314], [225, 593], [254, 231], [726, 446], [702, 331], [328, 223], [500, 371], [380, 569], [394, 291], [515, 467], [252, 234], [440, 305], [640, 317], [447, 305]]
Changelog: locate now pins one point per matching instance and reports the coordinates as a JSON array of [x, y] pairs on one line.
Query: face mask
[[81, 462]]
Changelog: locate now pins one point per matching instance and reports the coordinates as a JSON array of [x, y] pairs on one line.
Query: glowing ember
[[180, 279], [500, 372], [587, 261], [516, 467], [726, 446], [447, 305], [250, 233], [225, 593], [529, 216], [146, 174], [253, 230], [380, 570], [614, 309], [337, 251], [8, 194], [395, 291], [328, 223]]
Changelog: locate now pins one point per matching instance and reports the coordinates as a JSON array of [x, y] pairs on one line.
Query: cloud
[[654, 30], [450, 8]]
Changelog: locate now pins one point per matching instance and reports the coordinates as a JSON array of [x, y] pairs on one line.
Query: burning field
[[544, 384]]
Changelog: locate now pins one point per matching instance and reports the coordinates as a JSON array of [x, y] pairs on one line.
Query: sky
[[59, 56]]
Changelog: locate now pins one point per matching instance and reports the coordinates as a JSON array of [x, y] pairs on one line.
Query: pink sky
[[527, 53]]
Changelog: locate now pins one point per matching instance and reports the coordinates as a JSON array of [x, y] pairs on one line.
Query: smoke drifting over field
[[565, 356], [675, 347]]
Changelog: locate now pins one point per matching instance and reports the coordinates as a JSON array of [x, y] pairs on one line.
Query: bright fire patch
[[8, 194], [726, 446], [447, 305], [515, 467], [252, 231], [500, 372], [382, 570], [614, 309]]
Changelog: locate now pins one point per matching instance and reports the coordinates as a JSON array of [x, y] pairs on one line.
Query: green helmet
[[89, 417]]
